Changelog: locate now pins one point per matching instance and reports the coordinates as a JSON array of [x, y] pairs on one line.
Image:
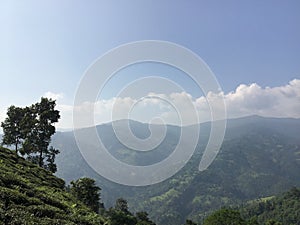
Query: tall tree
[[32, 127], [86, 190], [12, 127], [40, 118]]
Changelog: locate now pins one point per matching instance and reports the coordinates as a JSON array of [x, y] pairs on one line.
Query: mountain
[[31, 195], [259, 157]]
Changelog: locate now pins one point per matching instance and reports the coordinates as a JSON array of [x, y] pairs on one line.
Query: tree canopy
[[31, 128], [86, 190], [12, 127], [225, 216]]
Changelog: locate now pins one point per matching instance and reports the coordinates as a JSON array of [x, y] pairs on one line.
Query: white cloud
[[283, 101], [251, 99], [54, 96], [2, 118], [246, 100]]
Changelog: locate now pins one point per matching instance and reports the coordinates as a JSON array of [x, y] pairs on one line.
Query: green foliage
[[273, 222], [121, 215], [259, 157], [33, 127], [122, 205], [86, 191], [50, 159], [225, 216], [32, 195], [12, 127], [143, 219], [118, 217], [282, 209], [189, 222], [39, 128], [278, 210]]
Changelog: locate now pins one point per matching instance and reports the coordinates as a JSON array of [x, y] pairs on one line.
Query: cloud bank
[[252, 99]]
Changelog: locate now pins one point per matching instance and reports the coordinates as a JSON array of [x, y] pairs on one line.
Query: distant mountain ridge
[[259, 157]]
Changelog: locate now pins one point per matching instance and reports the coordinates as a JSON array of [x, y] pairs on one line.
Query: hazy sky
[[46, 46]]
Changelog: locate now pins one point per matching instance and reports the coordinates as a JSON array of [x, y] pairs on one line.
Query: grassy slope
[[31, 195]]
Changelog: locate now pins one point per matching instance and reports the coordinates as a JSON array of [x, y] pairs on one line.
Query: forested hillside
[[259, 157], [280, 209], [275, 210]]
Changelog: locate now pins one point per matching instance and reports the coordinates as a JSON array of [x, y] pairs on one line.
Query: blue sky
[[46, 46]]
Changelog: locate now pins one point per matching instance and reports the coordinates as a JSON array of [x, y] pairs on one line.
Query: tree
[[122, 205], [32, 127], [120, 214], [143, 219], [118, 217], [39, 128], [50, 159], [86, 191], [12, 127], [189, 222], [225, 216]]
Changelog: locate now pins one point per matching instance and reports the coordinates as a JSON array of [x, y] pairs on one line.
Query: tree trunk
[[16, 149], [41, 158]]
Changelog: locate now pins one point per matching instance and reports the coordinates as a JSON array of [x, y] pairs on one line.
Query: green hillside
[[283, 209], [275, 210], [259, 157], [30, 195]]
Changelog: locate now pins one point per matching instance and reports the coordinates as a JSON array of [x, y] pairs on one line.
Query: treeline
[[29, 130]]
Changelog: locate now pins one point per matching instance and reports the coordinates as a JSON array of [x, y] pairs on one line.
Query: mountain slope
[[275, 210], [284, 208], [259, 157], [31, 195]]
